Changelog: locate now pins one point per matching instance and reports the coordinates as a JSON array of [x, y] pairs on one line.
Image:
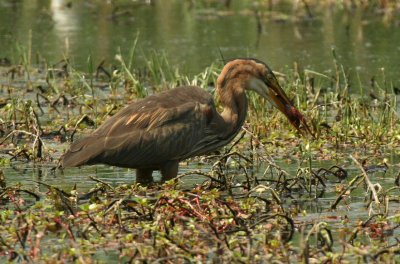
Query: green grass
[[236, 213]]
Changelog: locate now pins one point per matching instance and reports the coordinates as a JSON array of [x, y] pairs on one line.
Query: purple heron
[[159, 131]]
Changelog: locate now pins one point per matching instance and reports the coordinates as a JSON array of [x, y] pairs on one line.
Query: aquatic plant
[[247, 206]]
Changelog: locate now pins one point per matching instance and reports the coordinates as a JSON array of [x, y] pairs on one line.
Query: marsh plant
[[246, 204]]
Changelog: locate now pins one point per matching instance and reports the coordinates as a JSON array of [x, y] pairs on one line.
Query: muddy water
[[192, 38]]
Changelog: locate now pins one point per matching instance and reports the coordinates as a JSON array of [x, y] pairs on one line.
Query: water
[[31, 176], [193, 36]]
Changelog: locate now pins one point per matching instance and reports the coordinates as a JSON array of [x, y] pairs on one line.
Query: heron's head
[[258, 77]]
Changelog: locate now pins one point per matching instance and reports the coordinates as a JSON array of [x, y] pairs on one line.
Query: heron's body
[[157, 132]]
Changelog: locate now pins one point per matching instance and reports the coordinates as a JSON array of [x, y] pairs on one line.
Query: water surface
[[192, 36]]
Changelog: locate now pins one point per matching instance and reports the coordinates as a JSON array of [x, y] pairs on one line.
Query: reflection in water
[[29, 175], [64, 22], [192, 36]]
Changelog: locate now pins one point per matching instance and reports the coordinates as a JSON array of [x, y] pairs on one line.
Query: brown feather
[[157, 132], [147, 132]]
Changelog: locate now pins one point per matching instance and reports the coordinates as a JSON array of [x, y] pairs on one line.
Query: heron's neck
[[233, 99]]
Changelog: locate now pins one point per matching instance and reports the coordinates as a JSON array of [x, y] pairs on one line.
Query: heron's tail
[[83, 151]]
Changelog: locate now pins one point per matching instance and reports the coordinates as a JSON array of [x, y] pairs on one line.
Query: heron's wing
[[155, 110], [159, 128]]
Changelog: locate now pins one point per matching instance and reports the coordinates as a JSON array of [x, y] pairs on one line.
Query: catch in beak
[[271, 90]]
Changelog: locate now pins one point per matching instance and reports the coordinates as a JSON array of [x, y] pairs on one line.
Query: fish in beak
[[270, 89]]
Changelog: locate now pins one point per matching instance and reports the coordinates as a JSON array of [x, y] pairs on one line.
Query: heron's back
[[148, 132]]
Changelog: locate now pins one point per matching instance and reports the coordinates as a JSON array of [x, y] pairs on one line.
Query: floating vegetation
[[166, 223], [246, 206]]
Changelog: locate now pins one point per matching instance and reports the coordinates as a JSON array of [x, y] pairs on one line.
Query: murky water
[[31, 176], [192, 36], [192, 39]]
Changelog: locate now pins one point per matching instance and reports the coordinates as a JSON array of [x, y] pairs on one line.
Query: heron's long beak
[[274, 93]]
